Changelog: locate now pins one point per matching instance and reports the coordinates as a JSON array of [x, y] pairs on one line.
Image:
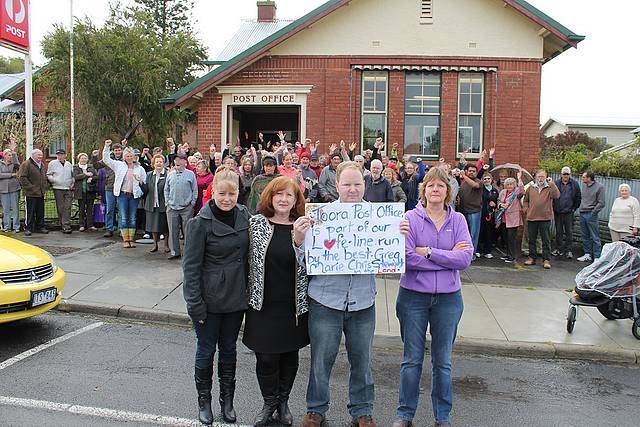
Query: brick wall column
[[449, 116]]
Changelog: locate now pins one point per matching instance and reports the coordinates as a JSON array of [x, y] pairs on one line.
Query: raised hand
[[95, 153], [212, 149], [519, 175], [332, 148], [107, 143], [492, 151], [280, 135], [342, 144], [13, 145], [352, 146], [378, 144], [124, 142]]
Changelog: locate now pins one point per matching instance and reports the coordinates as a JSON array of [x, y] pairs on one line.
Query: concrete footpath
[[510, 309]]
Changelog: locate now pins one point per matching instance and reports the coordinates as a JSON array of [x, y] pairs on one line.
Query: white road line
[[48, 344], [110, 414]]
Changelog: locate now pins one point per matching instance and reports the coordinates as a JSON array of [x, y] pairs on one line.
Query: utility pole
[[28, 94], [71, 82]]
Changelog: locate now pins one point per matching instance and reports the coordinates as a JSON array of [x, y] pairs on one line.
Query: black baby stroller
[[611, 284]]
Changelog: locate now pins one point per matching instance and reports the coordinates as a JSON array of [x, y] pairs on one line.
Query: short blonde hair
[[80, 155], [435, 174], [348, 165], [225, 177]]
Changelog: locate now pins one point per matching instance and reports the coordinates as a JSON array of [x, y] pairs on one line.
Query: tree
[[122, 70], [168, 16], [11, 65]]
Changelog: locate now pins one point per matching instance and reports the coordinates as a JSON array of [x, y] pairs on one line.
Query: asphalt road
[[131, 373]]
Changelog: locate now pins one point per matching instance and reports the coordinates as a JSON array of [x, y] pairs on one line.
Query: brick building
[[437, 77]]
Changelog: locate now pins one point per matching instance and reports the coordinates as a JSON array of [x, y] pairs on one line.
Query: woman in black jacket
[[84, 191], [154, 204], [488, 231], [215, 271]]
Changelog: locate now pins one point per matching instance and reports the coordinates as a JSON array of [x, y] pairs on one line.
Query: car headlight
[[54, 264]]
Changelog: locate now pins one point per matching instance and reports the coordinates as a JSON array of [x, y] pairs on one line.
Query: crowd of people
[[155, 191]]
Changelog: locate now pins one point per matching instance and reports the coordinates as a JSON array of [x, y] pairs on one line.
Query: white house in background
[[614, 131]]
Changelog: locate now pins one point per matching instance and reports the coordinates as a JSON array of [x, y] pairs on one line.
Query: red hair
[[281, 183]]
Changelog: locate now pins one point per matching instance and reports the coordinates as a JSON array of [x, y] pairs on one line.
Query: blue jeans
[[111, 210], [326, 326], [590, 234], [127, 209], [473, 221], [221, 331], [416, 311]]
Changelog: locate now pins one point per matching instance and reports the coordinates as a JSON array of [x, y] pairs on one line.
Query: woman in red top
[[203, 179], [289, 170]]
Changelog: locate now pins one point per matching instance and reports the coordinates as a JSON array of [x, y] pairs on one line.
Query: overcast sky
[[599, 79]]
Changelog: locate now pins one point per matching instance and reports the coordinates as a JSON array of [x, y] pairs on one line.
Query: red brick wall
[[209, 120], [512, 101]]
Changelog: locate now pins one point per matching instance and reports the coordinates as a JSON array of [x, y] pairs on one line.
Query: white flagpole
[[28, 94], [72, 100]]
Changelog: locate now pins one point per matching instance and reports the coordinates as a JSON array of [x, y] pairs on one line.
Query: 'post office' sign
[[355, 238]]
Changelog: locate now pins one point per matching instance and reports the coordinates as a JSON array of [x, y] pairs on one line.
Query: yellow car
[[30, 281]]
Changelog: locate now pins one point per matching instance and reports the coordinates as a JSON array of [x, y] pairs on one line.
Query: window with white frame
[[374, 107], [422, 114], [470, 113]]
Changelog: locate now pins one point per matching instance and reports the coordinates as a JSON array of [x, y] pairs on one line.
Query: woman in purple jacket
[[438, 246]]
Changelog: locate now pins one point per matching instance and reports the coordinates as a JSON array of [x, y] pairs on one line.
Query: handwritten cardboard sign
[[355, 238]]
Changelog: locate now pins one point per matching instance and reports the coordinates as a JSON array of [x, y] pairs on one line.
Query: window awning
[[462, 68]]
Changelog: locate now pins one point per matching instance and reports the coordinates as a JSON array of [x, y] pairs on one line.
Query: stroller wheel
[[571, 318], [635, 329]]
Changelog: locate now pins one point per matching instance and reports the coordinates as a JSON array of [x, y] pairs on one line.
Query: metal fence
[[610, 190], [50, 211]]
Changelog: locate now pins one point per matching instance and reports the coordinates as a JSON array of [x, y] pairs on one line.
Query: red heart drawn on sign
[[329, 244]]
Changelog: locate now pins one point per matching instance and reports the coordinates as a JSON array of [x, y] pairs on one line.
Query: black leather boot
[[203, 386], [285, 384], [227, 378], [269, 389]]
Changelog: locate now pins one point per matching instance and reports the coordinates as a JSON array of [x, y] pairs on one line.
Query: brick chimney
[[266, 11]]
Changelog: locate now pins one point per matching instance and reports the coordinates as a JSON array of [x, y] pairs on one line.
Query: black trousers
[[509, 238], [34, 219], [85, 208], [564, 231], [487, 236], [542, 227]]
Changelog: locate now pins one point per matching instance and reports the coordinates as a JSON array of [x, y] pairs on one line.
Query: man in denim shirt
[[180, 194], [337, 304]]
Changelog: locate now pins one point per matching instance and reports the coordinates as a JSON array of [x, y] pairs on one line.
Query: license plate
[[43, 296]]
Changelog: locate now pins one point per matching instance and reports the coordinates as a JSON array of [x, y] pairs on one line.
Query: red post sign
[[14, 23]]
